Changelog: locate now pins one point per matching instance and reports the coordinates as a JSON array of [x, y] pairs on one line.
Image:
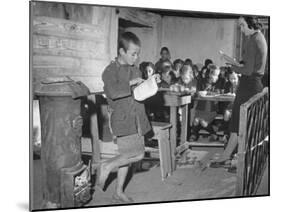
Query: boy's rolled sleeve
[[114, 88]]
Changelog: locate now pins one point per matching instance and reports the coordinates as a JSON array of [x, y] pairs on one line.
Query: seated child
[[204, 69], [165, 55], [187, 83], [230, 89], [222, 78], [195, 71], [161, 112], [187, 79], [178, 63], [166, 74], [205, 111], [147, 69]]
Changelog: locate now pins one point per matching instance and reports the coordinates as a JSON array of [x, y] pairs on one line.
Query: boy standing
[[128, 120]]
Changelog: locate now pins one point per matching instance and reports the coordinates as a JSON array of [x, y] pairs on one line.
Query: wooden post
[[241, 149], [173, 121], [94, 133], [184, 124]]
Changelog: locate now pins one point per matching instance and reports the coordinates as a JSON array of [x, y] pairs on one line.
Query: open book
[[229, 59]]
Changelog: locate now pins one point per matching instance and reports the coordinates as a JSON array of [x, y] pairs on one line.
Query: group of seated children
[[185, 76]]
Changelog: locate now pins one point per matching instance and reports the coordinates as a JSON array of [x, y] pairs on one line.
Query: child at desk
[[166, 74], [205, 111], [230, 88], [147, 69], [178, 63], [187, 79]]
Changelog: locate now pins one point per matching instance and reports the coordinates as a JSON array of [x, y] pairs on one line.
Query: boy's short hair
[[207, 62], [126, 38], [164, 49], [188, 61], [178, 61]]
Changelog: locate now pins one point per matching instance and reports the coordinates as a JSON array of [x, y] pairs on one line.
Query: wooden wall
[[73, 40]]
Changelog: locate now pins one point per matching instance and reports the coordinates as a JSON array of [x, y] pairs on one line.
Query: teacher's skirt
[[248, 87]]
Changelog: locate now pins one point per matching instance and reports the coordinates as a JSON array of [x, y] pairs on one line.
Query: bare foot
[[122, 198]]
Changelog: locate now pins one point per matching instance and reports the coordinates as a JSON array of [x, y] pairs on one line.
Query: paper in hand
[[229, 59]]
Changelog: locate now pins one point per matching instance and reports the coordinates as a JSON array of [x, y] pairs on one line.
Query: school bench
[[104, 150]]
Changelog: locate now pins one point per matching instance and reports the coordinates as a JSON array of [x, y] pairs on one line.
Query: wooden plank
[[144, 18], [94, 83], [173, 121], [67, 29], [94, 133], [203, 144], [219, 98], [50, 9], [45, 61], [59, 46], [166, 136], [256, 97], [241, 149], [80, 64], [56, 68], [175, 100], [184, 124], [163, 155], [183, 147]]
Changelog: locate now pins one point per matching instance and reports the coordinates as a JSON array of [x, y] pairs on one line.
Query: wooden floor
[[190, 181]]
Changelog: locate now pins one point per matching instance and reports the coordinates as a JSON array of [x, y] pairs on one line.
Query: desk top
[[176, 99], [216, 98]]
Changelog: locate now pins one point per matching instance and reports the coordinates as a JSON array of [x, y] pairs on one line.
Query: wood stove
[[66, 180]]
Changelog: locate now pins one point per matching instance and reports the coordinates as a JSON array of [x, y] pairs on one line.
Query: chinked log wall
[[74, 48]]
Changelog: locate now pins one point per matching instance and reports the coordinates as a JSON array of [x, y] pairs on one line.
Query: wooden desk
[[214, 98], [175, 100]]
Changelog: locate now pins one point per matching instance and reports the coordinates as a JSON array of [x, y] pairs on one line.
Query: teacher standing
[[252, 70]]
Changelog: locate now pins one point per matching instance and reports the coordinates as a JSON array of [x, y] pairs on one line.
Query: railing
[[253, 143]]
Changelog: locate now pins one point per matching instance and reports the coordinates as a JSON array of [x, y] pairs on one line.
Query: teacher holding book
[[252, 69]]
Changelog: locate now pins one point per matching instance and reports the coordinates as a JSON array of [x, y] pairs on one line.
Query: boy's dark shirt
[[125, 109], [229, 88], [221, 83]]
